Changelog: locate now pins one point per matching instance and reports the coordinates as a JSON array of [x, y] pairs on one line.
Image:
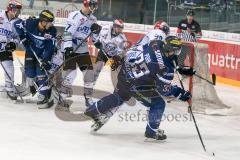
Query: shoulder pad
[[75, 14]]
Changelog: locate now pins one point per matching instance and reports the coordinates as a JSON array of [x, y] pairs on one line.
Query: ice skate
[[99, 122], [157, 135], [44, 102], [12, 95]]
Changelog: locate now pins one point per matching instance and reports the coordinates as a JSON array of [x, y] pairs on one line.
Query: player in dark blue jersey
[[38, 36], [146, 75]]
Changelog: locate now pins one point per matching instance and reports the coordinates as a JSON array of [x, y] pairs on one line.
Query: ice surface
[[30, 134]]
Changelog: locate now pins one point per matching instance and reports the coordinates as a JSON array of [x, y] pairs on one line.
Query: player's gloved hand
[[184, 95], [95, 28], [117, 61], [186, 70], [98, 45], [69, 53], [11, 46]]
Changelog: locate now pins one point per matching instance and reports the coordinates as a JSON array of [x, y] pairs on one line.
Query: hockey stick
[[22, 70], [194, 120], [85, 39], [213, 82], [12, 83]]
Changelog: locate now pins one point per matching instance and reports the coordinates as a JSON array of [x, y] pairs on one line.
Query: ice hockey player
[[80, 25], [8, 43], [112, 43], [38, 37], [160, 32], [145, 75]]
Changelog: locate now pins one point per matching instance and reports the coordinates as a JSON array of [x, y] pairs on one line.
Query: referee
[[189, 29]]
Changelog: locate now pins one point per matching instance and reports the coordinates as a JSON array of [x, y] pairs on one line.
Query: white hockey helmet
[[15, 7], [118, 23], [91, 4], [162, 25]]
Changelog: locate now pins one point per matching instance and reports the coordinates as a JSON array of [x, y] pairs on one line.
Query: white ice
[[27, 133]]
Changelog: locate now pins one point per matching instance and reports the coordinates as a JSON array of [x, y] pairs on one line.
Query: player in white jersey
[[8, 43], [80, 25], [112, 43], [160, 32]]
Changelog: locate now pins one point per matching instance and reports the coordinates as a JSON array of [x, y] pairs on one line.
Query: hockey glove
[[185, 95], [179, 93], [69, 53], [10, 47], [187, 71], [95, 28], [98, 45]]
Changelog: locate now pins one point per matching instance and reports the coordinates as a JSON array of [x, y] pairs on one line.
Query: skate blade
[[151, 140], [95, 128], [46, 106]]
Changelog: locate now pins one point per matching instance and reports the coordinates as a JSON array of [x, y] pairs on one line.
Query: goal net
[[204, 96]]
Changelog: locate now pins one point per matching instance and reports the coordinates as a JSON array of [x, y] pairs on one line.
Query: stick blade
[[214, 78]]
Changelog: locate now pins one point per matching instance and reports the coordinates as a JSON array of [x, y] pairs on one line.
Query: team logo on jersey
[[83, 29], [5, 32], [110, 49], [19, 25]]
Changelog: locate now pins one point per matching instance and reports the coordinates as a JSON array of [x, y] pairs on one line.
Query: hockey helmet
[[162, 25], [14, 5], [173, 44], [91, 4], [46, 16], [118, 23]]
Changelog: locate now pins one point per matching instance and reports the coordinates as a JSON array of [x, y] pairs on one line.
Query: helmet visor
[[93, 5]]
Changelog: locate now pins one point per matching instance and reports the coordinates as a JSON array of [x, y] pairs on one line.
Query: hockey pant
[[83, 61], [35, 73]]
